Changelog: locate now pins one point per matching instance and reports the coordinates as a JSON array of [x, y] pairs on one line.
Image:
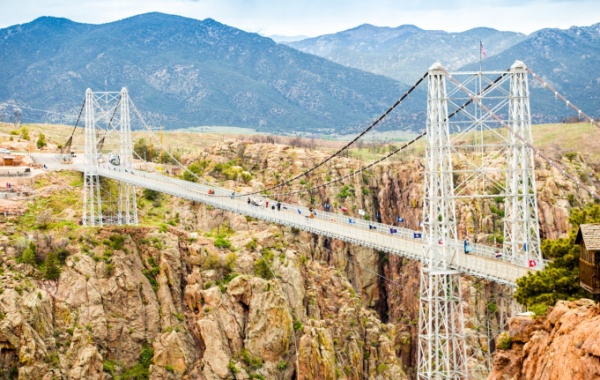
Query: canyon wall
[[242, 298]]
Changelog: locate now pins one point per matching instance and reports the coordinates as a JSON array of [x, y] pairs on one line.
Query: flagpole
[[480, 51]]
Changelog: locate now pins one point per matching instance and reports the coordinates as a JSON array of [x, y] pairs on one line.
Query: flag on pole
[[481, 49]]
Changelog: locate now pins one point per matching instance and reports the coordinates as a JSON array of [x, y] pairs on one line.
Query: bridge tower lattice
[[521, 223], [127, 213], [92, 201], [491, 141], [107, 113], [442, 353]]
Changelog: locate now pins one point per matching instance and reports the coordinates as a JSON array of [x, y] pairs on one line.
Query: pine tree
[[560, 278], [25, 134], [28, 255], [41, 142], [52, 269]]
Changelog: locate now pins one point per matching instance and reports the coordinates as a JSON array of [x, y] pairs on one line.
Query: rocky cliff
[[395, 189], [244, 300], [196, 309], [564, 345], [205, 294]]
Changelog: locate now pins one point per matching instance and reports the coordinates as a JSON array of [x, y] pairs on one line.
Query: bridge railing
[[302, 210], [358, 223], [481, 262]]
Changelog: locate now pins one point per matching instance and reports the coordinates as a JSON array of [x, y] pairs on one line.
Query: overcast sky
[[318, 17]]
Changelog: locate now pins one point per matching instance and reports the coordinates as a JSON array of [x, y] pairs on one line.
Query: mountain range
[[182, 72], [565, 59], [405, 52]]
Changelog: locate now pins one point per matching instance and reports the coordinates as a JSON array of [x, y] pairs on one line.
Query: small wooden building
[[8, 160], [588, 238]]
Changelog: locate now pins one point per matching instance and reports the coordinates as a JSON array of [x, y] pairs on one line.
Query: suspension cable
[[69, 142], [347, 146], [558, 95], [149, 129], [284, 183], [538, 152], [339, 179], [305, 173]]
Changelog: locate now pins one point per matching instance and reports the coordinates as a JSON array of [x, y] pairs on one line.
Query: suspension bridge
[[481, 262], [478, 146]]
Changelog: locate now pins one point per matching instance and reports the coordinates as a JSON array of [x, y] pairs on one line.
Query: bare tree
[[18, 113], [264, 139], [296, 142]]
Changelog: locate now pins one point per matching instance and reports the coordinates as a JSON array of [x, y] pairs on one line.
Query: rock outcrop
[[565, 345], [241, 298], [201, 310]]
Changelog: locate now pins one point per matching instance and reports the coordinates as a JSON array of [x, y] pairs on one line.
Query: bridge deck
[[480, 263]]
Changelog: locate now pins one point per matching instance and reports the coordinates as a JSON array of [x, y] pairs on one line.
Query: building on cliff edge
[[588, 238]]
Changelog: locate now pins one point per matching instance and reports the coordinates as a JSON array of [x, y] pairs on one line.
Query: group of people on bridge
[[312, 212], [259, 203], [469, 248]]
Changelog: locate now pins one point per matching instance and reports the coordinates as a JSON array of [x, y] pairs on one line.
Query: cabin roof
[[590, 234]]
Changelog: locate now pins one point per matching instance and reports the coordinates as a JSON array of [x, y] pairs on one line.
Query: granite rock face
[[203, 312], [564, 345], [272, 302]]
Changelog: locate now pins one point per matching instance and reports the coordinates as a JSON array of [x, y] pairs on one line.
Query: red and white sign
[[532, 264]]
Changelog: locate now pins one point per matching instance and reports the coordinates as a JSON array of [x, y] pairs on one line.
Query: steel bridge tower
[[127, 212], [521, 223], [442, 351], [107, 113], [92, 201], [491, 141]]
